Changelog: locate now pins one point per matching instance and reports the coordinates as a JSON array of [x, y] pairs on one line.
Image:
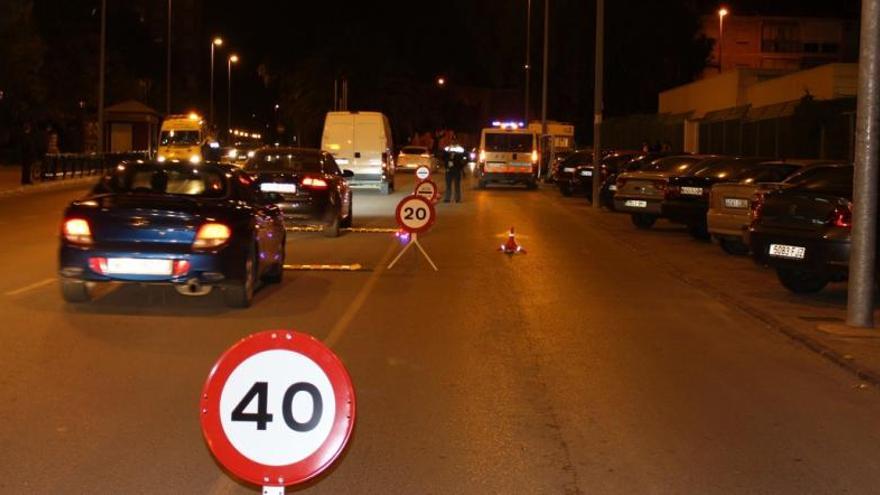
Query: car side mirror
[[347, 174]]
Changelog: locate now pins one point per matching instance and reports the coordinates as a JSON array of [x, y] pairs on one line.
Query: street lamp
[[721, 13], [218, 41], [233, 59], [441, 81]]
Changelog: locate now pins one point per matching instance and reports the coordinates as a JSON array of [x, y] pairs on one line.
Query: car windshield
[[508, 142], [678, 164], [181, 180], [179, 138], [821, 179], [274, 161], [413, 150]]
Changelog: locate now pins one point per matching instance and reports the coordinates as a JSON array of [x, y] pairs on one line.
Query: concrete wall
[[827, 82], [726, 90]]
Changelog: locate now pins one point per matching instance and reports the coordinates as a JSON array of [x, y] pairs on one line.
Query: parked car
[[413, 157], [730, 212], [191, 226], [565, 172], [558, 157], [687, 197], [612, 161], [635, 163], [306, 184], [803, 231], [642, 193]]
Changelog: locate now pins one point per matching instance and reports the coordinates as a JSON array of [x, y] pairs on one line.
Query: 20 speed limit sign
[[415, 214], [423, 172], [428, 190], [278, 408]]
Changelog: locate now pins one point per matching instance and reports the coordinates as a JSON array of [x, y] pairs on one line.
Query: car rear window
[[508, 142], [578, 158], [678, 164], [294, 162], [767, 173], [724, 170], [412, 150], [179, 180], [832, 179], [179, 138]]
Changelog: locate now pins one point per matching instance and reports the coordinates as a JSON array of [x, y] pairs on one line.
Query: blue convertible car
[[193, 226]]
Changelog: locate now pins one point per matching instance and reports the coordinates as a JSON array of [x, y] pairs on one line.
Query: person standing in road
[[28, 153], [455, 159]]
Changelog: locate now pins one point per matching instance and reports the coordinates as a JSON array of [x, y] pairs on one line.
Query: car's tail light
[[180, 268], [98, 265], [77, 231], [756, 207], [669, 191], [211, 235], [534, 156], [314, 183], [842, 216]]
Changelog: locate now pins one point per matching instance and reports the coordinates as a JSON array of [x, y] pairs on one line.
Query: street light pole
[[168, 64], [860, 291], [721, 13], [231, 60], [544, 84], [101, 60], [598, 103], [218, 41], [528, 66]]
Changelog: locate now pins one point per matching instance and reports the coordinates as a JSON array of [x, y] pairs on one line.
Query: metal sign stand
[[414, 239]]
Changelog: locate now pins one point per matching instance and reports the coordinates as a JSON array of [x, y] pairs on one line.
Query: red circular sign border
[[433, 196], [313, 465], [424, 228]]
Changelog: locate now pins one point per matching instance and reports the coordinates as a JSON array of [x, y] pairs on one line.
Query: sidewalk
[[10, 183]]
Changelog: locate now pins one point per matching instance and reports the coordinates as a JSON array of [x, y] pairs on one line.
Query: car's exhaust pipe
[[193, 287]]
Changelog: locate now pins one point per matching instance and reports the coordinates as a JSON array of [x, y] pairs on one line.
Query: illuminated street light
[[233, 59], [441, 81], [217, 41], [721, 13]]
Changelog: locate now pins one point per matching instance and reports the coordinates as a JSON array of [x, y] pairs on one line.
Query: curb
[[55, 185]]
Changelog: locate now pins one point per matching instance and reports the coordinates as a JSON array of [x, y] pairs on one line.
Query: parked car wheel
[[75, 291], [349, 220], [332, 229], [241, 294], [276, 273], [734, 247], [802, 281], [643, 220]]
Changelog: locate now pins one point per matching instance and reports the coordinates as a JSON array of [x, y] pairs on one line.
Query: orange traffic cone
[[511, 247]]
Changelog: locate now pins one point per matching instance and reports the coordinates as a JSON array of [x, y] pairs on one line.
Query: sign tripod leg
[[394, 261], [415, 240]]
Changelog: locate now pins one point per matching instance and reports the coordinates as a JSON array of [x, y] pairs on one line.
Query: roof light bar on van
[[508, 125]]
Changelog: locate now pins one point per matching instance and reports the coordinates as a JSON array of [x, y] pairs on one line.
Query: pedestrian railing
[[60, 166]]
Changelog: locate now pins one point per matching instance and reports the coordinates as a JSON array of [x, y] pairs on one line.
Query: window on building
[[780, 37]]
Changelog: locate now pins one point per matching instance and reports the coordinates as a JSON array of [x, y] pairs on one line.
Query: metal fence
[[62, 166]]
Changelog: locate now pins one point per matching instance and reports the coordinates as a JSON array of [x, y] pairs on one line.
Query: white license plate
[[636, 203], [786, 251], [138, 266], [692, 191], [736, 203], [274, 187], [612, 187], [586, 173], [568, 169]]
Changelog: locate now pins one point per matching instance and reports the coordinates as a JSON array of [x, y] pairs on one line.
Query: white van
[[362, 143], [508, 154]]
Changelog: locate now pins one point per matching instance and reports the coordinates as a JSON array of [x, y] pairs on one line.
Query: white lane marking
[[224, 484], [26, 288]]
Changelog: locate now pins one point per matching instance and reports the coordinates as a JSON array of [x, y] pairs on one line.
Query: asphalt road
[[580, 367]]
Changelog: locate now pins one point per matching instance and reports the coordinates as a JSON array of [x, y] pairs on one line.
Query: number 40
[[262, 417]]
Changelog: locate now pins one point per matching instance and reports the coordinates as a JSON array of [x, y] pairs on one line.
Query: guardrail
[[62, 166]]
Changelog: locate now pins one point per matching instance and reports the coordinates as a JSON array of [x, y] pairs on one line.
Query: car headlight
[[195, 159], [232, 154], [251, 154], [161, 158]]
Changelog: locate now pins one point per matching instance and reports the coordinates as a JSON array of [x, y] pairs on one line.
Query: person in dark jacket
[[28, 151], [455, 160]]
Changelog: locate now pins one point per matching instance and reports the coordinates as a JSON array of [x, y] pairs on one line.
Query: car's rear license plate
[[568, 169], [586, 173], [138, 266], [786, 251], [736, 203], [612, 187], [636, 203], [692, 191], [275, 187]]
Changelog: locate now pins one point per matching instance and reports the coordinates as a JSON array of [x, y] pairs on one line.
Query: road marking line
[[326, 267], [358, 230], [26, 288], [224, 483]]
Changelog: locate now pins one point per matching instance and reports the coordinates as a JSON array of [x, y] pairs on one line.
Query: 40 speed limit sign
[[415, 214], [277, 408]]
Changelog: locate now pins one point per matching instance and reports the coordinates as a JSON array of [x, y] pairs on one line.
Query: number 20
[[262, 417], [420, 213]]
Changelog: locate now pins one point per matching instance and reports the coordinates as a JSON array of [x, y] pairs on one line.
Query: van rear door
[[338, 137], [369, 144]]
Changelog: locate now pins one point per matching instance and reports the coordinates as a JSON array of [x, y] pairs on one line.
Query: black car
[[564, 177], [195, 227], [306, 184], [687, 197], [803, 231]]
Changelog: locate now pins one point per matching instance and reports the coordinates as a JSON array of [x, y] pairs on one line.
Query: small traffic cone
[[511, 247]]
